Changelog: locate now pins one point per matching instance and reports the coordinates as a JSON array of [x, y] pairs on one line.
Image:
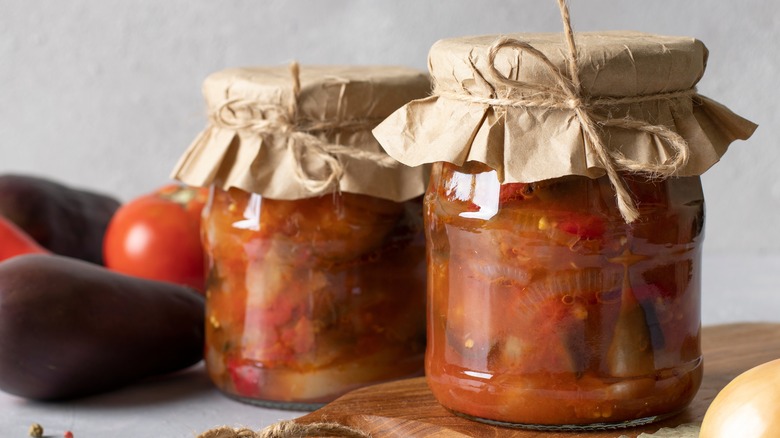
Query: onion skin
[[748, 407]]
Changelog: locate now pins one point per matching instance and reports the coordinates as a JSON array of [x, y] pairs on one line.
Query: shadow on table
[[187, 384]]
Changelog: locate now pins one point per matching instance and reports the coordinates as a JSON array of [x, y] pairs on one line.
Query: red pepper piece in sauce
[[514, 192], [585, 226], [246, 378]]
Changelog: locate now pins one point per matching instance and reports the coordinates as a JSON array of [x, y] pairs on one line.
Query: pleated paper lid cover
[[519, 118], [297, 132]]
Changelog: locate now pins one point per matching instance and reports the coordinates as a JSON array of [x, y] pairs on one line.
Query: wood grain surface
[[407, 409]]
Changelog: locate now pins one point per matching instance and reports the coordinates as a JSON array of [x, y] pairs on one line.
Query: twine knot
[[309, 150], [573, 103]]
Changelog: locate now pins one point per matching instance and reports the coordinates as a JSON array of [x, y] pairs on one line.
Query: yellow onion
[[748, 407]]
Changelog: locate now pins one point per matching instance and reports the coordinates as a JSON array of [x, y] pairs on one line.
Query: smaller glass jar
[[547, 309], [313, 235], [310, 298]]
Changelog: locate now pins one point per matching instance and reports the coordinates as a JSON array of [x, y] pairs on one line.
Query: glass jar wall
[[310, 298], [546, 309]]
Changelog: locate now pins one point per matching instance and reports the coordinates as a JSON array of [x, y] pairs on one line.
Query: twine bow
[[567, 94], [309, 151]]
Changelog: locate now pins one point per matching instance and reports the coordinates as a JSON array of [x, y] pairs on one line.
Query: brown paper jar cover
[[534, 143], [339, 105]]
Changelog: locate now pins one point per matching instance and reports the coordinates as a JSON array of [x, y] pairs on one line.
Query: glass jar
[[547, 310], [310, 298]]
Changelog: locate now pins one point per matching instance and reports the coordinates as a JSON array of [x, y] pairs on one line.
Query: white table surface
[[736, 288], [179, 405]]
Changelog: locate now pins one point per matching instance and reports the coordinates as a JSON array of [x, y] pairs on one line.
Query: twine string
[[307, 149], [572, 61], [288, 429]]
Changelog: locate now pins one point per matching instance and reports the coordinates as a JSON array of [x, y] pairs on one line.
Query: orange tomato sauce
[[311, 298], [546, 309]]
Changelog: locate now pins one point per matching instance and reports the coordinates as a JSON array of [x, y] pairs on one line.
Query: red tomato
[[157, 236], [14, 241]]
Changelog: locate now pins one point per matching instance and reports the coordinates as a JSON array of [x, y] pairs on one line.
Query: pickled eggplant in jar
[[564, 223], [547, 308], [310, 298]]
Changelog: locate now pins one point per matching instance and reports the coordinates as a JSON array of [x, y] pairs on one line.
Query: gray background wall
[[106, 94]]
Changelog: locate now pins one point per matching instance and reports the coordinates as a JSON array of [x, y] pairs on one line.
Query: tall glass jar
[[310, 298], [546, 308], [564, 223]]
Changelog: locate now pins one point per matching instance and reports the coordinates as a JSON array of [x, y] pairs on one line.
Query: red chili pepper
[[14, 241]]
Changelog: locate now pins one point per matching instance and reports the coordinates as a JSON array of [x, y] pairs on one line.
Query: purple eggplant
[[63, 220], [69, 328]]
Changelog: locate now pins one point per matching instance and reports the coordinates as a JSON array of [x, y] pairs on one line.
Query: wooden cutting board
[[407, 409]]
